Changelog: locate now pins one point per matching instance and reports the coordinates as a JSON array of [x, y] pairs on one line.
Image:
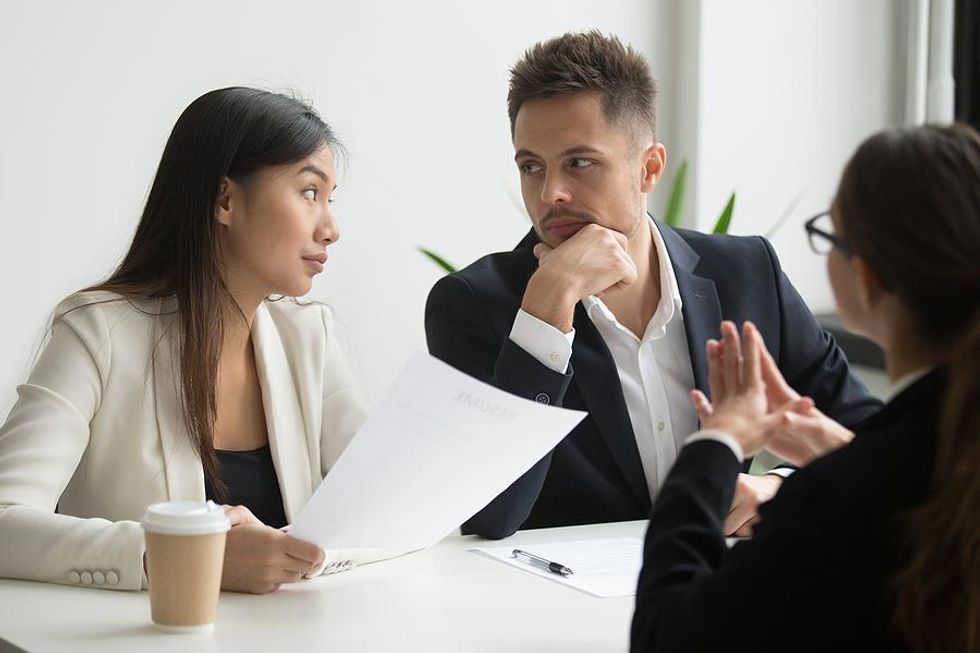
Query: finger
[[302, 566], [290, 577], [620, 239], [630, 274], [716, 381], [293, 565], [750, 374], [745, 530], [239, 515], [737, 517], [540, 250], [732, 354], [771, 375], [304, 551], [801, 425], [819, 431], [701, 405], [801, 406]]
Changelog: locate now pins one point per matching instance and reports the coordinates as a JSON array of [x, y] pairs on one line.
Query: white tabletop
[[441, 599]]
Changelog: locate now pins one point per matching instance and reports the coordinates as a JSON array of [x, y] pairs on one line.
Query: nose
[[555, 189], [327, 231]]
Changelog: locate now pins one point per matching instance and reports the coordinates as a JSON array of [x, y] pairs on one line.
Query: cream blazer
[[97, 434]]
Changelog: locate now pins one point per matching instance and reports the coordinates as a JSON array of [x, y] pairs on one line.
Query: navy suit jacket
[[595, 474], [830, 540]]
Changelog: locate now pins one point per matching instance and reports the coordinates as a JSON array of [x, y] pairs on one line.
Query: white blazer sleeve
[[41, 443]]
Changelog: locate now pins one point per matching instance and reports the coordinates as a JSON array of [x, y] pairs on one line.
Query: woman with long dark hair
[[177, 378], [875, 546]]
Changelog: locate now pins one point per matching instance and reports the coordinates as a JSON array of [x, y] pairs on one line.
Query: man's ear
[[867, 284], [223, 206], [654, 162]]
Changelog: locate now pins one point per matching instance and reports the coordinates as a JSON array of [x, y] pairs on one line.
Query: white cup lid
[[185, 518]]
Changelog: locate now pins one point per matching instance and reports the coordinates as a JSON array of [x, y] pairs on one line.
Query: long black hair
[[228, 133], [909, 203]]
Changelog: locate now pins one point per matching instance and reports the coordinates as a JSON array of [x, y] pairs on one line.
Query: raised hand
[[802, 432]]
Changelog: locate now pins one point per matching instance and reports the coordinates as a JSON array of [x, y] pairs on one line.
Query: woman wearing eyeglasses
[[875, 546]]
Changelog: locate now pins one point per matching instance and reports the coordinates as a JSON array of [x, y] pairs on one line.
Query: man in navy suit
[[600, 308]]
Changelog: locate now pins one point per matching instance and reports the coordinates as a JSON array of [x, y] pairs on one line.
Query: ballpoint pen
[[538, 561]]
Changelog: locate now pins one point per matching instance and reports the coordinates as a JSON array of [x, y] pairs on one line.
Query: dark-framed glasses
[[820, 231]]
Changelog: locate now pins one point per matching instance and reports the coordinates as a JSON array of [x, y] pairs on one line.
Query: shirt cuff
[[781, 471], [548, 345], [718, 436]]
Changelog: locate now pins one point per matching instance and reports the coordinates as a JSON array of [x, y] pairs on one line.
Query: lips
[[565, 228], [316, 261]]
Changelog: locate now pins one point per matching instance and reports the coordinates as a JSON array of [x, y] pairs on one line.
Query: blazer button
[[111, 578], [86, 578], [98, 578], [74, 577], [542, 398]]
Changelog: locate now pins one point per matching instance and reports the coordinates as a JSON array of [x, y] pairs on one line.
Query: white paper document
[[438, 447], [605, 567]]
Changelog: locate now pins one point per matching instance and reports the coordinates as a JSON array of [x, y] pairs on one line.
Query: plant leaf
[[721, 227], [675, 204], [438, 260]]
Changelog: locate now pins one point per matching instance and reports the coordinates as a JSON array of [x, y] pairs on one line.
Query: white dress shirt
[[655, 371]]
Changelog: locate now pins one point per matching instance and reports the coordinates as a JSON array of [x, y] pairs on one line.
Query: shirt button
[[554, 357], [111, 578], [98, 578], [86, 578], [660, 426], [542, 398], [74, 577]]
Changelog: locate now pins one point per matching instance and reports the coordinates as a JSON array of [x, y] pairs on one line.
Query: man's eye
[[529, 168], [310, 193], [580, 163]]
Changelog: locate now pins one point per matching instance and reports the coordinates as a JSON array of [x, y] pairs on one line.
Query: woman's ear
[[224, 204]]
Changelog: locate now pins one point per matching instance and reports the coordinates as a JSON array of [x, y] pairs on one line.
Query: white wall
[[417, 91], [787, 89], [766, 96]]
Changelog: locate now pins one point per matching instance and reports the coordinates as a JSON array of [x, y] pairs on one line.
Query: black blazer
[[817, 571], [595, 474]]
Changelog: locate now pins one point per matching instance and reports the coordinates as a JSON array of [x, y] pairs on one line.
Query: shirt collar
[[670, 295]]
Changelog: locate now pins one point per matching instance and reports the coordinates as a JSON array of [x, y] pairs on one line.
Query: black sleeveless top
[[250, 481]]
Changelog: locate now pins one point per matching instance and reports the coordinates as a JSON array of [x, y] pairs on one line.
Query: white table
[[442, 599]]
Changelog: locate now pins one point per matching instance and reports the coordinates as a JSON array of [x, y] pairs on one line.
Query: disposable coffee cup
[[185, 550]]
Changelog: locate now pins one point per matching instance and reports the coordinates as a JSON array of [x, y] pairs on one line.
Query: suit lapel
[[598, 381], [181, 460], [596, 377], [701, 309], [283, 414]]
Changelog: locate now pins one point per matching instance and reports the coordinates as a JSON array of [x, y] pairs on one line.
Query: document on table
[[438, 447], [604, 567]]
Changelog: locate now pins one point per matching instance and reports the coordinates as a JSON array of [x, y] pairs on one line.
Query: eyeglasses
[[820, 230]]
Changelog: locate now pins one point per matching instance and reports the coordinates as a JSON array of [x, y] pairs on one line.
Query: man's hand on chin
[[591, 261]]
